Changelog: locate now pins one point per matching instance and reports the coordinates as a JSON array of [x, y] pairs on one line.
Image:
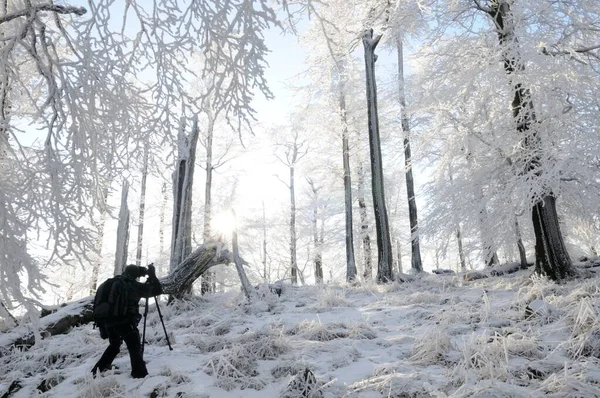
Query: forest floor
[[437, 336]]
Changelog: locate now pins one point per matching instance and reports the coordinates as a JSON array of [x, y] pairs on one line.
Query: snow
[[436, 336]]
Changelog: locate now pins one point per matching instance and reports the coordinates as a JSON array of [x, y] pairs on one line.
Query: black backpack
[[110, 302]]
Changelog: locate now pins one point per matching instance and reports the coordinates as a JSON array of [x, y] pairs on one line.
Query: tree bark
[[78, 313], [122, 232], [183, 179], [552, 258], [208, 281], [317, 241], [100, 237], [140, 237], [461, 252], [364, 223], [416, 262], [520, 245], [161, 225], [350, 260], [246, 287], [384, 246], [399, 256], [266, 272], [293, 255]]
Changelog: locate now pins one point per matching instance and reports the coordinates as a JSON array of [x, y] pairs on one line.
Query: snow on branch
[[32, 10]]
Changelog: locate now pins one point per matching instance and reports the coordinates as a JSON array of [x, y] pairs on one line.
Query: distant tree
[[316, 231], [289, 151]]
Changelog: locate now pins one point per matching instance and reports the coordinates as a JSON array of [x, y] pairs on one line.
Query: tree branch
[[43, 7]]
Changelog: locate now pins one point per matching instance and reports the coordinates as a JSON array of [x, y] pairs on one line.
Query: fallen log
[[499, 270], [79, 312]]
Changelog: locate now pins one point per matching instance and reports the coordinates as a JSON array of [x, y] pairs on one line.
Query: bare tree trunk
[[140, 237], [364, 223], [208, 279], [520, 245], [461, 253], [490, 256], [266, 272], [350, 260], [122, 232], [248, 291], [183, 179], [100, 237], [293, 255], [399, 255], [552, 258], [416, 263], [384, 246], [317, 241], [161, 225]]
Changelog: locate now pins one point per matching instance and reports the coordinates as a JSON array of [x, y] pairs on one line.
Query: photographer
[[124, 327]]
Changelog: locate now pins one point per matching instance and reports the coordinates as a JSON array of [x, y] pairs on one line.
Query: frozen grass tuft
[[316, 331], [101, 387], [234, 368], [361, 331], [330, 297], [175, 376], [484, 356], [431, 347], [571, 382], [397, 385]]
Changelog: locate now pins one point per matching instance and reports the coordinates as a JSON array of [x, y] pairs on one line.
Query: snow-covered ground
[[437, 336]]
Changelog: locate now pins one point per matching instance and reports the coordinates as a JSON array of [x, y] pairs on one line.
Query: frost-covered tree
[[521, 115], [289, 151], [88, 88]]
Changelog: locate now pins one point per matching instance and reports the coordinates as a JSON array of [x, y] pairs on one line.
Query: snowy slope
[[438, 336]]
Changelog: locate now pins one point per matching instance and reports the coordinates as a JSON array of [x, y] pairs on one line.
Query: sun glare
[[224, 223]]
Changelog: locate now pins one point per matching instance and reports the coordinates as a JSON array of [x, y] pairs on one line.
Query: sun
[[224, 223]]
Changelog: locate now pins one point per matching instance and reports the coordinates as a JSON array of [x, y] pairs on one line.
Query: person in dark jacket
[[125, 328]]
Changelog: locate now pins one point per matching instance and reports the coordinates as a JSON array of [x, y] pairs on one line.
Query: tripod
[[161, 321]]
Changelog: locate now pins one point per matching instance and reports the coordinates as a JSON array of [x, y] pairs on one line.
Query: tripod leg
[[163, 323], [144, 331]]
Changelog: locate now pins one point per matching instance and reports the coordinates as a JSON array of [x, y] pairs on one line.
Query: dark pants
[[116, 335]]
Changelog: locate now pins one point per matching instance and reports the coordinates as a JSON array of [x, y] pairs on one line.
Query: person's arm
[[151, 287]]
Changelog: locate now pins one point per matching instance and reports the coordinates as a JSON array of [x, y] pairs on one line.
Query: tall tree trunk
[[161, 226], [384, 246], [317, 241], [350, 260], [364, 224], [266, 273], [100, 237], [248, 291], [293, 255], [183, 179], [122, 232], [520, 245], [490, 256], [206, 284], [399, 256], [552, 258], [416, 263], [140, 237], [461, 253]]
